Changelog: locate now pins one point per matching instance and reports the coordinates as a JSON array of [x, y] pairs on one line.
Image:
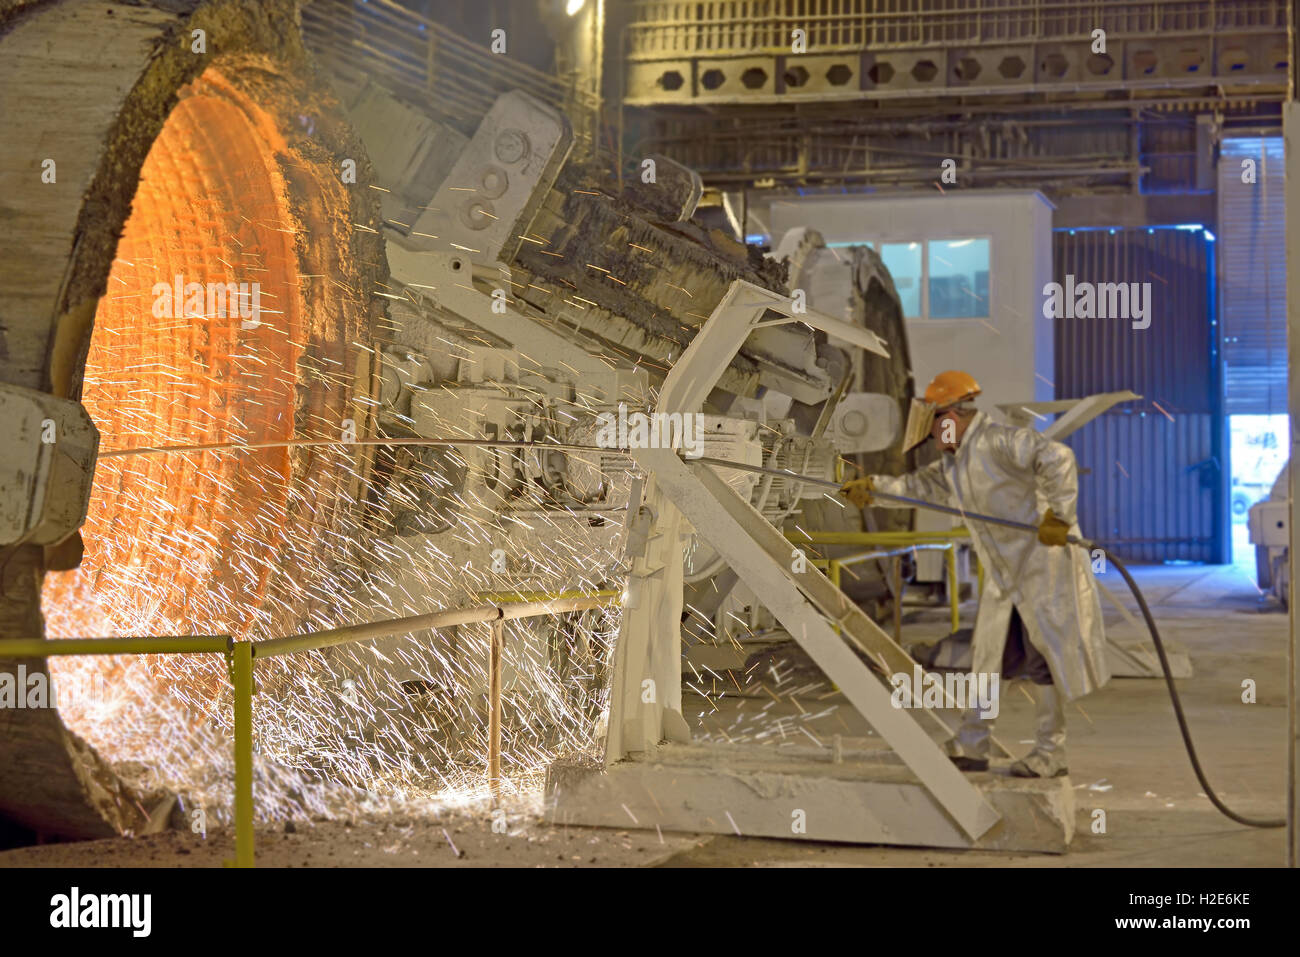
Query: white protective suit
[[1018, 474]]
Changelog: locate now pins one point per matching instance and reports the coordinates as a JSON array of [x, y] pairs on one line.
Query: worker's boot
[[969, 750], [1047, 759]]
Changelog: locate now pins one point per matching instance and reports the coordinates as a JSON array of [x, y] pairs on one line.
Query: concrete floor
[[1126, 758]]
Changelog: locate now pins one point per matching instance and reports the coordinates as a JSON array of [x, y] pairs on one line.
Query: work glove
[[1052, 530], [858, 491]]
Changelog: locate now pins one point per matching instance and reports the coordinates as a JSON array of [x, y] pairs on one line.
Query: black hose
[[1155, 638], [1178, 705]]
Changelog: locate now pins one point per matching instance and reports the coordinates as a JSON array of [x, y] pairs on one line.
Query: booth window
[[903, 260], [959, 278]]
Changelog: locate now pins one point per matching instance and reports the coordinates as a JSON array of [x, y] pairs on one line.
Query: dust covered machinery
[[421, 281], [488, 339]]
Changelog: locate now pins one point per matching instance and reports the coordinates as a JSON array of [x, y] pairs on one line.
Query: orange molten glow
[[184, 544]]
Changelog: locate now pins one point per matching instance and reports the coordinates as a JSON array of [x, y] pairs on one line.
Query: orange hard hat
[[950, 388]]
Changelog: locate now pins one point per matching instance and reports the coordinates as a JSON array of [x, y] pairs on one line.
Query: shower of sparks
[[259, 543], [774, 678], [254, 543]]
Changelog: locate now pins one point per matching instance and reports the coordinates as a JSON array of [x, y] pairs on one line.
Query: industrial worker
[[1039, 613]]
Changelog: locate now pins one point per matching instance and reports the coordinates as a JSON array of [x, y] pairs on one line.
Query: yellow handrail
[[949, 538], [162, 645], [876, 538], [241, 675], [241, 655]]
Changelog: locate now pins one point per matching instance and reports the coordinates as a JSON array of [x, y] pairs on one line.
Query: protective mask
[[920, 417]]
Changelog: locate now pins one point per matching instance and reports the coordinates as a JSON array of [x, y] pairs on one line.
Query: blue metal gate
[[1153, 473]]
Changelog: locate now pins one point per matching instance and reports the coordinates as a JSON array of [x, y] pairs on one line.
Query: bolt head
[[512, 146]]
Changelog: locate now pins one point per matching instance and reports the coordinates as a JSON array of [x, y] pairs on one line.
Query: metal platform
[[868, 797]]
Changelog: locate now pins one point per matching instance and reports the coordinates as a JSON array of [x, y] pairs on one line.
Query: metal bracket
[[1077, 412]]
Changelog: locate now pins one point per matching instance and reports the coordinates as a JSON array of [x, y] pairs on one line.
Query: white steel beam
[[727, 522]]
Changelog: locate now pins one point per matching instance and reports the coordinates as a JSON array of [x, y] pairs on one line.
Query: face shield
[[920, 417]]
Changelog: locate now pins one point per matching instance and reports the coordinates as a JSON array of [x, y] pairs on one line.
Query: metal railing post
[[898, 599], [954, 586], [496, 644], [242, 673]]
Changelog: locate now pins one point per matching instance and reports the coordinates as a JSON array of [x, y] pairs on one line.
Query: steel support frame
[[648, 653]]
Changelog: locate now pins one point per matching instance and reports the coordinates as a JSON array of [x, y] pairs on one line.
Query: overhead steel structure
[[1068, 97]]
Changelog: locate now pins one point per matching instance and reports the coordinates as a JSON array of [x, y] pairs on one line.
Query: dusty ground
[[1126, 758], [387, 842]]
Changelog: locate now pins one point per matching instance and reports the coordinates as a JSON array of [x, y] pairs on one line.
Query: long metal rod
[[918, 503], [438, 619], [221, 644], [528, 597], [374, 629], [326, 443], [559, 447]]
